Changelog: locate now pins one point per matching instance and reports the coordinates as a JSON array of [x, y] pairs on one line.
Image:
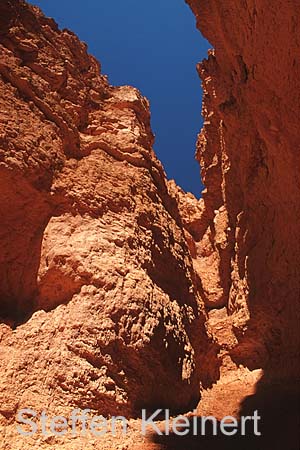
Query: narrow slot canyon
[[119, 291]]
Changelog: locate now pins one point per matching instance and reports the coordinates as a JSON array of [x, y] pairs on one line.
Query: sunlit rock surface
[[120, 291]]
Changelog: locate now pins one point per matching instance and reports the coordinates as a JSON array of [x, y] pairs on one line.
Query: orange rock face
[[249, 153], [96, 276], [118, 290]]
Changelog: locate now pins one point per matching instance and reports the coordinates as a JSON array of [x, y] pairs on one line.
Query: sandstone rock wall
[[99, 299], [117, 289], [249, 154]]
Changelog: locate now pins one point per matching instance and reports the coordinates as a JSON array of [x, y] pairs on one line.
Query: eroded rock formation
[[117, 289], [96, 276], [250, 159], [249, 154]]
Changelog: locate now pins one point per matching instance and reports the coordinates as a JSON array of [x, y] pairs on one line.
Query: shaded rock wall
[[250, 159]]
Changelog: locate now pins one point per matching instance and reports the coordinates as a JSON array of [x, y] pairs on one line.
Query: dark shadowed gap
[[277, 428], [153, 46]]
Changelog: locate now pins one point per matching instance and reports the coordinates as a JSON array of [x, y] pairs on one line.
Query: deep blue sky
[[154, 46]]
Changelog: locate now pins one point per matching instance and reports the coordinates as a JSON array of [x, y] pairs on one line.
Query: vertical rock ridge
[[249, 153]]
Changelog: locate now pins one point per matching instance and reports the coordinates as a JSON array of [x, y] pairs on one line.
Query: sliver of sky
[[154, 46]]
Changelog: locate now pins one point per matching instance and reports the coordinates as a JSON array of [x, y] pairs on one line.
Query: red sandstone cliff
[[250, 159], [114, 282], [249, 154], [99, 299]]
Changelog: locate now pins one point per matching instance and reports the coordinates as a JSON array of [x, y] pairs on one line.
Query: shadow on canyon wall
[[279, 426]]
